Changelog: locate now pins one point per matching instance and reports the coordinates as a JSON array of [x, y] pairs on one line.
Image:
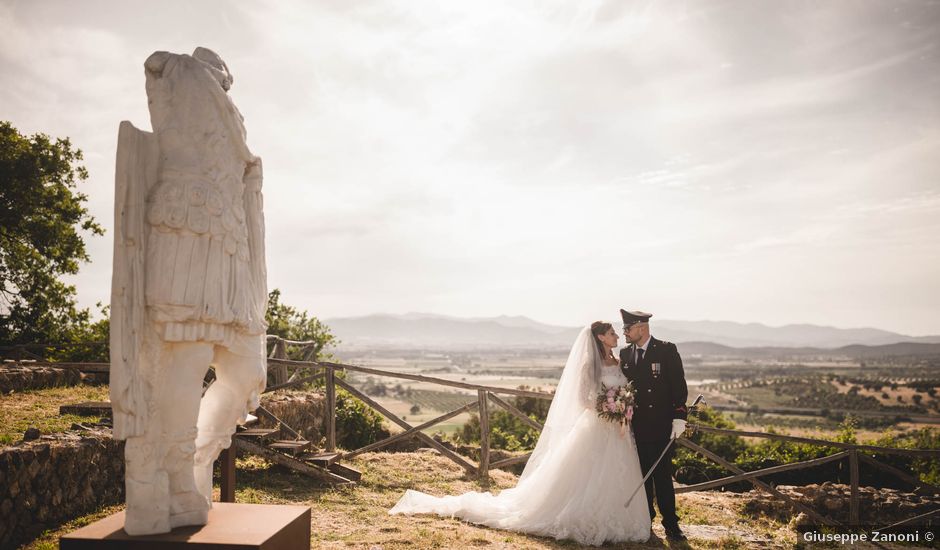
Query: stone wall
[[49, 481], [305, 412], [877, 506], [15, 377]]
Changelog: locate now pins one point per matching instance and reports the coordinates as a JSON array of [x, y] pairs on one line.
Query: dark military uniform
[[661, 393]]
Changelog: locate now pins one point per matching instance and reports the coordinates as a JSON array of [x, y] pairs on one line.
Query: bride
[[581, 472]]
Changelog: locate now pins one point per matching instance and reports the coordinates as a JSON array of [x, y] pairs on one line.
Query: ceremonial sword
[[692, 409]]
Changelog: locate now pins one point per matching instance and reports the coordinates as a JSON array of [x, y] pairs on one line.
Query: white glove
[[678, 427]]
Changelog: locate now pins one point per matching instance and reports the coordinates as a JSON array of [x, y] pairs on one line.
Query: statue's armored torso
[[200, 286]]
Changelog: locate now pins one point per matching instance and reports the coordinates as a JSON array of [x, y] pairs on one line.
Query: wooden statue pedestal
[[231, 526]]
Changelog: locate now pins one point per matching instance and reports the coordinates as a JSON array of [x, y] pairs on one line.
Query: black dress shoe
[[675, 535]]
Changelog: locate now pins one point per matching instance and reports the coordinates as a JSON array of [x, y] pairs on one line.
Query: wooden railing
[[484, 396], [854, 453], [305, 371]]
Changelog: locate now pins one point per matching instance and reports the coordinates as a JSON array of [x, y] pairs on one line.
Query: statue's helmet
[[215, 61]]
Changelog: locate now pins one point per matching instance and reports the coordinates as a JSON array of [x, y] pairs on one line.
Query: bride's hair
[[598, 328]]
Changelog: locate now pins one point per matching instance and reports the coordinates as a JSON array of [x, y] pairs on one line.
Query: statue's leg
[[158, 463], [239, 375], [190, 363], [148, 497]]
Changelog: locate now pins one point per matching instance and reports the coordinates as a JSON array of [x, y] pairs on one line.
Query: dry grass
[[357, 517], [906, 393], [50, 539], [40, 409]]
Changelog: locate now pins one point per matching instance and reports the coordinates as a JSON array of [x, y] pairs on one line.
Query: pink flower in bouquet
[[616, 405]]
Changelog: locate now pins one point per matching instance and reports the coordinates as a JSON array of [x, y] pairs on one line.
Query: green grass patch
[[40, 409]]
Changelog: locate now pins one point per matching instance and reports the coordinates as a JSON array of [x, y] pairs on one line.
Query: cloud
[[540, 158]]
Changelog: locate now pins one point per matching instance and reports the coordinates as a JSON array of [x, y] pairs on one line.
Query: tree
[[288, 323], [42, 221], [94, 334]]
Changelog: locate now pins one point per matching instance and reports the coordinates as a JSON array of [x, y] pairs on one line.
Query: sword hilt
[[693, 408]]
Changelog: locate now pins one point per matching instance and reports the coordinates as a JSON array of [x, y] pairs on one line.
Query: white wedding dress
[[578, 478]]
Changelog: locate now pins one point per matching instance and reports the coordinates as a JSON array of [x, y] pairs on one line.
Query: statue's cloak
[[131, 376]]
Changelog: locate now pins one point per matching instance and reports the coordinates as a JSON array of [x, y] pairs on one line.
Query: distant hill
[[856, 351], [433, 331], [802, 335], [437, 331]]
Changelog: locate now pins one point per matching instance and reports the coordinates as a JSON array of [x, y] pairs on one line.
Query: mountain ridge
[[428, 330]]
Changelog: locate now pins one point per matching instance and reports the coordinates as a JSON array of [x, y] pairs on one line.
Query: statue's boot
[[148, 509], [187, 504]]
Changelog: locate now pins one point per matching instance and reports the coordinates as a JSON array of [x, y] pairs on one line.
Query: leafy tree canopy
[[42, 220], [289, 323]]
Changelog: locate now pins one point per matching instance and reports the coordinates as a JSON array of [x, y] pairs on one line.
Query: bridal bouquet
[[615, 404]]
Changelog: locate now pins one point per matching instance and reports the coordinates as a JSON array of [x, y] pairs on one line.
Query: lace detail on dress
[[612, 376]]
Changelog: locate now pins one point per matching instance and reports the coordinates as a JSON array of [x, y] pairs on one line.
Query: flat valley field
[[797, 395]]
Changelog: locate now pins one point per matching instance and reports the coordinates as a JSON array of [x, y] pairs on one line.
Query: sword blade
[[649, 473]]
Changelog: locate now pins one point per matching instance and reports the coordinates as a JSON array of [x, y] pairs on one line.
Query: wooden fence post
[[853, 476], [484, 435], [227, 474], [331, 409], [280, 352]]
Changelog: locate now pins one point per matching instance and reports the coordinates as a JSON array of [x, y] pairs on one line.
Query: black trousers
[[660, 483]]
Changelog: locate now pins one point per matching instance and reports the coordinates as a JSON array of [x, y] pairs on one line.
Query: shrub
[[692, 468], [508, 432], [927, 469], [356, 424]]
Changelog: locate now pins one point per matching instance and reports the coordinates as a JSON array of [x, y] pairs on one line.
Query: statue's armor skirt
[[198, 278]]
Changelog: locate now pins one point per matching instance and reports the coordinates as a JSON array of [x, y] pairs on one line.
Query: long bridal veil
[[576, 480], [576, 391]]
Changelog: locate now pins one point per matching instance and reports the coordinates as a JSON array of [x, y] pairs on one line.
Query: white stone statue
[[189, 289]]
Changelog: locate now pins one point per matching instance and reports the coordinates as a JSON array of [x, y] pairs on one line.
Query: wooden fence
[[290, 373], [488, 395], [295, 373]]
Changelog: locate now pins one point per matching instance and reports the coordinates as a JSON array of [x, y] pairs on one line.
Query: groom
[[655, 369]]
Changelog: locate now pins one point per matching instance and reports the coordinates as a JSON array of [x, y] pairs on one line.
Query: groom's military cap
[[631, 318]]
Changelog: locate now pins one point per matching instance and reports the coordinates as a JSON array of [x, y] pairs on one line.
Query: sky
[[755, 161]]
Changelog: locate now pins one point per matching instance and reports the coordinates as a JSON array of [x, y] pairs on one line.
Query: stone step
[[292, 463], [289, 446], [258, 433], [87, 408], [320, 459], [345, 471]]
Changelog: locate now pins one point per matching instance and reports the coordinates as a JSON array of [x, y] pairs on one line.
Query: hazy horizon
[[612, 319], [769, 162]]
